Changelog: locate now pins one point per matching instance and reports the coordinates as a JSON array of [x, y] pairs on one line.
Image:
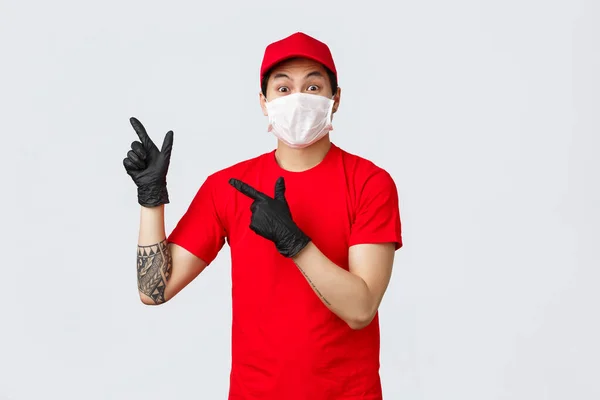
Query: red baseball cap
[[297, 45]]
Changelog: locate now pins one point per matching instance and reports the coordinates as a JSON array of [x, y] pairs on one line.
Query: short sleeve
[[200, 231], [377, 218]]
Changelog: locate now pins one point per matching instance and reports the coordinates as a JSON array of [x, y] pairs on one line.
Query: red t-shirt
[[286, 344]]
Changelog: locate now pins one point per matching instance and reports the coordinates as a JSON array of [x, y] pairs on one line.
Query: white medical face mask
[[300, 119]]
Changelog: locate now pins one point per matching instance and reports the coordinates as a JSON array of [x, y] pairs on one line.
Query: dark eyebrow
[[280, 75], [310, 74], [314, 73]]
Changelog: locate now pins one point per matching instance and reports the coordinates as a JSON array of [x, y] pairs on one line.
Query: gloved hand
[[272, 219], [148, 166]]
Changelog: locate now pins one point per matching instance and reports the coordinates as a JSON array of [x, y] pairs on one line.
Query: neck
[[299, 160]]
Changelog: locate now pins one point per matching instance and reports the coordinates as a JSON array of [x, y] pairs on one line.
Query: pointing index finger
[[247, 190], [141, 132]]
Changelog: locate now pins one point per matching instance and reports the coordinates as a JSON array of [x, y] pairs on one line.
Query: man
[[312, 232]]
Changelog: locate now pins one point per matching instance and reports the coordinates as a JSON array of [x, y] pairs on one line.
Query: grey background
[[486, 113]]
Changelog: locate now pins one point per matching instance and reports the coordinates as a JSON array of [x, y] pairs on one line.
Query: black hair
[[267, 75]]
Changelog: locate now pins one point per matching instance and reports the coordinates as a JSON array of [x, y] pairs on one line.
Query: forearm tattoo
[[154, 264], [313, 285]]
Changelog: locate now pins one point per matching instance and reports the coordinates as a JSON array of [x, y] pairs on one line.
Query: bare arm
[[163, 269], [353, 295]]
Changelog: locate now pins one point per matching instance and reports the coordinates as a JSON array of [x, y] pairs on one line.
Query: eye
[[312, 88], [283, 89]]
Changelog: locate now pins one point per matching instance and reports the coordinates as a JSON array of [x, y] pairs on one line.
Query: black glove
[[148, 166], [272, 219]]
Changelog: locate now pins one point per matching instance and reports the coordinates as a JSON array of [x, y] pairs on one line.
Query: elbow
[[362, 316], [148, 301], [360, 321]]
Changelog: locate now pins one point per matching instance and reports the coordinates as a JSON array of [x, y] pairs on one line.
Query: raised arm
[[163, 269]]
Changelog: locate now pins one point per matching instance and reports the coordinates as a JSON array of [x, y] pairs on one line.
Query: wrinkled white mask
[[300, 119]]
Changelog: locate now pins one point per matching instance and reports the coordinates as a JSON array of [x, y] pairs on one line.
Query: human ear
[[336, 99], [263, 103]]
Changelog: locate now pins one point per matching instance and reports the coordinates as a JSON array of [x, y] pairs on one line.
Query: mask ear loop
[[330, 115], [270, 125]]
